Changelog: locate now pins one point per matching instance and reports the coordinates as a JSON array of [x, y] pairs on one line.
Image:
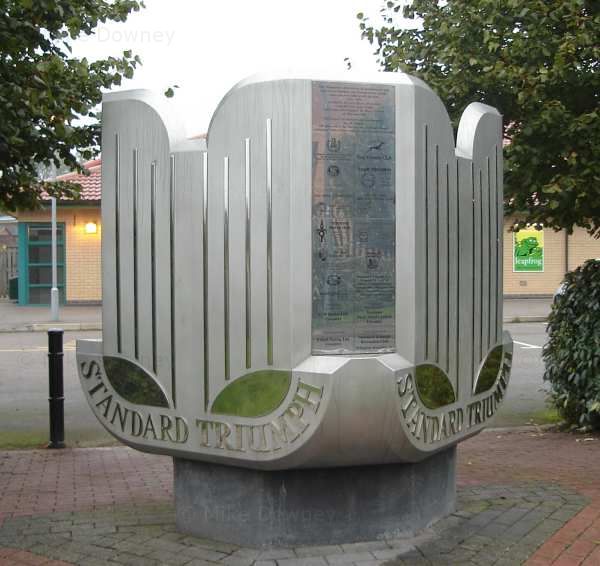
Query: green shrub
[[572, 354], [433, 386]]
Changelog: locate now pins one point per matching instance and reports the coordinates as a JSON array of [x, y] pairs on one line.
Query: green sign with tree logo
[[528, 250]]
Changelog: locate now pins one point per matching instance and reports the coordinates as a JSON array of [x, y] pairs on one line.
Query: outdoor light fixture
[[91, 228]]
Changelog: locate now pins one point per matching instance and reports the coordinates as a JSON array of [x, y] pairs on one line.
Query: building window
[[35, 259]]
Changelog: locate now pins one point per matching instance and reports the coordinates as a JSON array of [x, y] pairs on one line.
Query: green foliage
[[44, 90], [572, 354], [433, 386], [254, 394], [490, 370], [170, 92], [132, 383], [546, 416], [537, 62]]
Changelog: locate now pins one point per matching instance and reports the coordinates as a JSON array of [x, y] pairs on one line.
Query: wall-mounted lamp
[[91, 228]]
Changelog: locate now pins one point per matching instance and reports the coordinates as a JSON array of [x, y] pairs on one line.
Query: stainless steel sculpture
[[318, 284]]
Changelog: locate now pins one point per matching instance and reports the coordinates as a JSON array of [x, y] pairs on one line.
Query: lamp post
[[54, 290]]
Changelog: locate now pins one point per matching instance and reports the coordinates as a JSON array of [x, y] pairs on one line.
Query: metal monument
[[316, 284]]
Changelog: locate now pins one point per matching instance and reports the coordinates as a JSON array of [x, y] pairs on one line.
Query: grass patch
[[433, 386], [546, 416], [31, 440], [16, 439], [132, 383], [490, 370], [253, 395]]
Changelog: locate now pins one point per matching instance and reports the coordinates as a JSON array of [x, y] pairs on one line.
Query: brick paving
[[34, 482], [571, 461], [523, 498]]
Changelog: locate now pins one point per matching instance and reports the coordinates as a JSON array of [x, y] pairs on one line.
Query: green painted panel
[[134, 384], [433, 386], [35, 248], [23, 259], [490, 370], [254, 394]]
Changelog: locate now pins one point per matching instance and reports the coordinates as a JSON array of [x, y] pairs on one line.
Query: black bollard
[[56, 399]]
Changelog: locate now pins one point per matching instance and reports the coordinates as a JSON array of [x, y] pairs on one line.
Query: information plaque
[[353, 218]]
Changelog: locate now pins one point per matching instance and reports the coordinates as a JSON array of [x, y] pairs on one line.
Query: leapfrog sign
[[528, 250], [316, 283]]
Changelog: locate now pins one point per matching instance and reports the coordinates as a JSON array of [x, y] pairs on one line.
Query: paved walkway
[[524, 497], [15, 318], [527, 310]]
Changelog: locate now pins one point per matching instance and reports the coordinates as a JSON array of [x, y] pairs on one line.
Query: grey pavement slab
[[527, 309], [16, 318], [462, 538]]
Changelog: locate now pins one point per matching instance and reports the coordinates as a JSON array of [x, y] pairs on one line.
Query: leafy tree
[[537, 61], [571, 354], [44, 91]]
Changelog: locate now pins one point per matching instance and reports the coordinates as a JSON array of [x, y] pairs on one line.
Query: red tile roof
[[91, 185]]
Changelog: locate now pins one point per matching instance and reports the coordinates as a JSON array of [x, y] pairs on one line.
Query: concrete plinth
[[322, 506]]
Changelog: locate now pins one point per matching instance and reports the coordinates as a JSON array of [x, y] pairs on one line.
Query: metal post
[[54, 290], [56, 399]]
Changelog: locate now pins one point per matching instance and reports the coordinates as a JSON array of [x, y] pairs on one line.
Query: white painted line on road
[[526, 346]]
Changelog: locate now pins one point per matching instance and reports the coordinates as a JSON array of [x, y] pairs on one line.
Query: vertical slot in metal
[[473, 270], [491, 253], [118, 237], [481, 254], [153, 258], [426, 227], [136, 318], [448, 270], [248, 254], [226, 264], [269, 149], [499, 227], [437, 255], [457, 279], [172, 285], [205, 274]]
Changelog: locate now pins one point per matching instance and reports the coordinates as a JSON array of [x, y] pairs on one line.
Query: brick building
[[80, 251], [79, 254]]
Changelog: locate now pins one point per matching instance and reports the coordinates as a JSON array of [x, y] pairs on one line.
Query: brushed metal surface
[[167, 244]]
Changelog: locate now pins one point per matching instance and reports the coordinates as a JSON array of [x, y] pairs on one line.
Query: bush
[[572, 354]]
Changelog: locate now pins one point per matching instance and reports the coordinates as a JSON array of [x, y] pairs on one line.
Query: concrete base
[[324, 506]]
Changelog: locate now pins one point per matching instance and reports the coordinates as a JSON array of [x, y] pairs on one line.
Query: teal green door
[[35, 262]]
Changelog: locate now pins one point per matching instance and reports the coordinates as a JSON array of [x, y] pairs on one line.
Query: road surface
[[24, 388]]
